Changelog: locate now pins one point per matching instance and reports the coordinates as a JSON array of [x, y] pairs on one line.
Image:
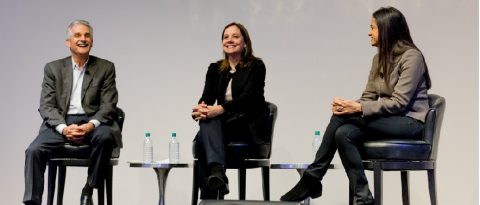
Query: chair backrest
[[260, 150], [433, 122], [271, 119], [120, 118]]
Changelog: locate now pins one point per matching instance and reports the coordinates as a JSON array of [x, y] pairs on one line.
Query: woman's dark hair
[[247, 54], [393, 40]]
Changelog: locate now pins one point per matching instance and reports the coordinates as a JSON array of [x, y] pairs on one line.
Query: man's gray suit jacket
[[99, 93]]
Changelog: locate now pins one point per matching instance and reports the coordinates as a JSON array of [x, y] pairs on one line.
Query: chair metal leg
[[432, 186], [101, 193], [52, 177], [108, 184], [377, 178], [62, 172], [242, 178], [196, 185], [350, 194], [266, 183], [405, 188]]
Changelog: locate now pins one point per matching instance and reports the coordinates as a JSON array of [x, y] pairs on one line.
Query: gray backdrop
[[314, 50]]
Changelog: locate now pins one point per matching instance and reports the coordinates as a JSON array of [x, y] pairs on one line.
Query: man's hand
[[75, 133], [71, 133], [86, 128]]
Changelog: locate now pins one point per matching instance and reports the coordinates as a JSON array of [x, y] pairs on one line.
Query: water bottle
[[147, 149], [317, 140], [174, 149]]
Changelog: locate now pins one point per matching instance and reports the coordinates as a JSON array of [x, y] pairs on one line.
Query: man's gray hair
[[82, 22]]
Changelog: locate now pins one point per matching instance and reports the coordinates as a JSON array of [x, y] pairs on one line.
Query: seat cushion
[[73, 151], [396, 150], [239, 150], [248, 151], [79, 151]]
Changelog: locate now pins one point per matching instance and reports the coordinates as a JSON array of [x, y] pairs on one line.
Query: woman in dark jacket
[[230, 109], [394, 105]]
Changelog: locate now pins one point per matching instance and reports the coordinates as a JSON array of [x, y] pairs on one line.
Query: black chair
[[244, 156], [407, 155], [78, 156]]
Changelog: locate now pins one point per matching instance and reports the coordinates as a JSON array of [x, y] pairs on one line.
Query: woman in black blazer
[[230, 109]]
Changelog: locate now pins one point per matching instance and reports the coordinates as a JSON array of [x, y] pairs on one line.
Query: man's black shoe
[[218, 183], [86, 199], [30, 203], [218, 180], [303, 189]]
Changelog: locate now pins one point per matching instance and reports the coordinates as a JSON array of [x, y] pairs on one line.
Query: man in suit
[[78, 105]]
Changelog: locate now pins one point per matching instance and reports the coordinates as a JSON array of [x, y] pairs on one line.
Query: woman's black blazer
[[248, 99]]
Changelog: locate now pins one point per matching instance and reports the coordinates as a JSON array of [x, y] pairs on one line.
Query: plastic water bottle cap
[[317, 132], [174, 134], [147, 134]]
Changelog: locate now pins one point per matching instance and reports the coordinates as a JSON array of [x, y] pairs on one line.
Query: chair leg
[[196, 185], [266, 183], [105, 186], [432, 186], [242, 176], [108, 184], [62, 172], [101, 193], [405, 188], [377, 178], [350, 194], [52, 175]]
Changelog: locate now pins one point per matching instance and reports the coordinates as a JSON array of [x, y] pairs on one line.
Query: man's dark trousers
[[48, 140]]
